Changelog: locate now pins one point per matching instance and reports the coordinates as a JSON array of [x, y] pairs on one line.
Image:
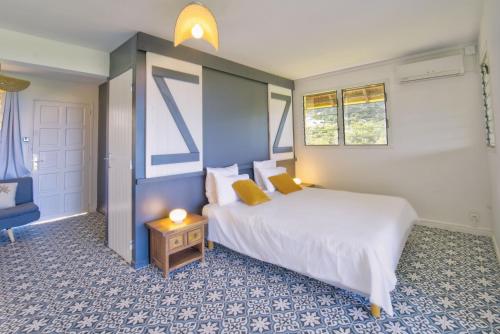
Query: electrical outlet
[[474, 218]]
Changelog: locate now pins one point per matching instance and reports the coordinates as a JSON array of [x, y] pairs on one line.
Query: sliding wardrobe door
[[120, 165], [280, 123]]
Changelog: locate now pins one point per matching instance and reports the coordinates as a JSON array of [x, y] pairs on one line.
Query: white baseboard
[[497, 248], [456, 227]]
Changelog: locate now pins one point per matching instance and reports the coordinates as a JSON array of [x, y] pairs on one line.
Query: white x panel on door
[[280, 123], [174, 116]]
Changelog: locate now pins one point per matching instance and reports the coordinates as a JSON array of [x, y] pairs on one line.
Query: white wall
[[489, 41], [33, 50], [437, 154], [61, 91]]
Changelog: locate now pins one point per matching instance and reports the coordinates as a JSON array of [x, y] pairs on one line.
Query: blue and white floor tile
[[60, 278]]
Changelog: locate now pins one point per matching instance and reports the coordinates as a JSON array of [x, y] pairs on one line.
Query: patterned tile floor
[[60, 278]]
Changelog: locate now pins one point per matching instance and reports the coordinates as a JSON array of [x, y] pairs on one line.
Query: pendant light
[[10, 84], [196, 21]]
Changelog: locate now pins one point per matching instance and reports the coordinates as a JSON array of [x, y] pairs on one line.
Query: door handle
[[108, 160], [36, 164]]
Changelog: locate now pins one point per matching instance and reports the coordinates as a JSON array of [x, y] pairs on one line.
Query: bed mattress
[[349, 240]]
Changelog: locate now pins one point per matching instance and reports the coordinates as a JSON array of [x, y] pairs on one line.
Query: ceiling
[[294, 39]]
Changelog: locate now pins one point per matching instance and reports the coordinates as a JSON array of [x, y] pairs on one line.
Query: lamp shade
[[196, 21], [177, 215], [10, 84]]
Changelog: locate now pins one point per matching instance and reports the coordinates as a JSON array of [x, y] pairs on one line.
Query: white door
[[120, 165], [61, 158]]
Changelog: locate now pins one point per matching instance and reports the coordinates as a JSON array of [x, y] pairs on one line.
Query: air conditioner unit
[[433, 68]]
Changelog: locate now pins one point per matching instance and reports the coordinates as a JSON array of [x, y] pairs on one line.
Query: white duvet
[[350, 240]]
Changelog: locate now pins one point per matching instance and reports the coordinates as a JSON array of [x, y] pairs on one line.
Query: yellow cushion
[[284, 183], [249, 192]]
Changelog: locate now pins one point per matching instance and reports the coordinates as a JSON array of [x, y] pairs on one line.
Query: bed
[[350, 240]]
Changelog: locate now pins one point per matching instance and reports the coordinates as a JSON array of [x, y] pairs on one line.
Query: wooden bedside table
[[172, 246]]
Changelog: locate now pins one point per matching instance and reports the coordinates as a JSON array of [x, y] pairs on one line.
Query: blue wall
[[235, 130], [235, 120]]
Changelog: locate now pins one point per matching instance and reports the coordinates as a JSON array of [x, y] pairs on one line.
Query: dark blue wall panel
[[235, 119], [149, 43], [154, 200], [123, 58]]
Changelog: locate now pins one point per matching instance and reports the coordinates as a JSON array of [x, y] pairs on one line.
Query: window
[[488, 112], [321, 119], [365, 121]]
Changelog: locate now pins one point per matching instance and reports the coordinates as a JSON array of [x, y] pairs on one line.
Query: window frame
[[386, 113], [339, 143], [489, 131]]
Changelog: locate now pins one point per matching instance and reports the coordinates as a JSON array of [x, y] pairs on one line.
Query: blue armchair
[[25, 210]]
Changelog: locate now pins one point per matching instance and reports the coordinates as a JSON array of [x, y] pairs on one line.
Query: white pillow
[[210, 189], [266, 173], [8, 195], [256, 173], [224, 185]]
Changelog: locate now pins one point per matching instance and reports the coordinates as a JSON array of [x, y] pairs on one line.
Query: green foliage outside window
[[365, 124], [321, 126]]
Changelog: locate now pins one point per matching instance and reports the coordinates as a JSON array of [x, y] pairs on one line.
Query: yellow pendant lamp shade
[[196, 21], [10, 84]]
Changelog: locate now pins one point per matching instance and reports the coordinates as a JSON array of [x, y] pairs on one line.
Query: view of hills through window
[[365, 115], [321, 119]]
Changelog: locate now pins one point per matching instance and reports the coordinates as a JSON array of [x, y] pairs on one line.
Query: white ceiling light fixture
[[196, 21]]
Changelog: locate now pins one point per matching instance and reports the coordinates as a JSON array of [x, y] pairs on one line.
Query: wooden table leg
[[375, 311], [201, 246], [166, 269]]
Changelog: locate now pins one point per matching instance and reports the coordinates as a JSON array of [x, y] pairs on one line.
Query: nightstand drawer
[[176, 241], [194, 236]]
